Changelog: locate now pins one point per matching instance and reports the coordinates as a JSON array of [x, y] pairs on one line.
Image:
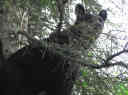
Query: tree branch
[[97, 66], [114, 55]]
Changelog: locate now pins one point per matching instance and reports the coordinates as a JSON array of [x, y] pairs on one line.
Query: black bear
[[85, 30], [43, 71]]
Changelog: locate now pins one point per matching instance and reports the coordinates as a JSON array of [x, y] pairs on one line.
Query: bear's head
[[84, 32], [87, 27]]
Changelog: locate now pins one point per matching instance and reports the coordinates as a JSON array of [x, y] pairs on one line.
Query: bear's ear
[[103, 14], [79, 10]]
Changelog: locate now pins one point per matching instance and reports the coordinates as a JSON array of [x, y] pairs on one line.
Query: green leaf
[[84, 73], [126, 92], [95, 62], [121, 89], [84, 84], [90, 54]]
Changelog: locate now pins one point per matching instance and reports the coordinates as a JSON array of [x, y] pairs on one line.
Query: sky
[[118, 15]]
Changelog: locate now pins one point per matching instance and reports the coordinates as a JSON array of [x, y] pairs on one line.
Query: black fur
[[2, 59], [31, 71]]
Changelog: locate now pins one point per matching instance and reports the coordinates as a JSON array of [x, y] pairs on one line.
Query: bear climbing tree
[[42, 70]]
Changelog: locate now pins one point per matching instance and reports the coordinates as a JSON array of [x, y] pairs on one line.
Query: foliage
[[121, 89]]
